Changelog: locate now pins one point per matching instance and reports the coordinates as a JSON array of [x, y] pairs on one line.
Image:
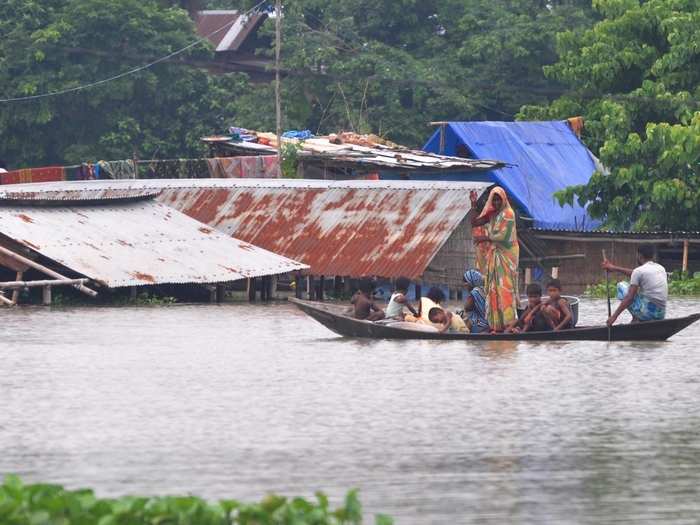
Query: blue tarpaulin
[[543, 158]]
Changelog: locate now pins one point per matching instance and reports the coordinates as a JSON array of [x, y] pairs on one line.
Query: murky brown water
[[237, 401]]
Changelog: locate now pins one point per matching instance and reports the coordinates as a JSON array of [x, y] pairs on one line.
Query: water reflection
[[241, 400]]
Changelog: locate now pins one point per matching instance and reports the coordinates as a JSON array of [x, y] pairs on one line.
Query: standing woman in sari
[[479, 222], [502, 259]]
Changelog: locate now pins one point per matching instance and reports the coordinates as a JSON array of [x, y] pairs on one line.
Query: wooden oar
[[607, 294]]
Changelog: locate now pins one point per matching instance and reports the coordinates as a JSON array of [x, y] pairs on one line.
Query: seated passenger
[[363, 303], [532, 320], [556, 309], [646, 294], [433, 299], [399, 301], [445, 320], [475, 306]]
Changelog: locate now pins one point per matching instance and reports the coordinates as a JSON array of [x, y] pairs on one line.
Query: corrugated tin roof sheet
[[619, 234], [136, 243], [349, 228]]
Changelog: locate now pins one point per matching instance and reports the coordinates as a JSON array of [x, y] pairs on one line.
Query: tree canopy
[[635, 77], [52, 45], [387, 66]]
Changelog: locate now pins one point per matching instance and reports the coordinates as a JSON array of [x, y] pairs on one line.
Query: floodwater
[[237, 401]]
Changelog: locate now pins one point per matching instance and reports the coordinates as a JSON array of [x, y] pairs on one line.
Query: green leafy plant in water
[[290, 159], [679, 284], [44, 504], [599, 290]]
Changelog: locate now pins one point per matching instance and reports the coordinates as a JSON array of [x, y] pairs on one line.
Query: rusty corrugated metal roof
[[349, 228], [135, 243]]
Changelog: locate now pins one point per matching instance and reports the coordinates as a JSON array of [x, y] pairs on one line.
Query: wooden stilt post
[[528, 275], [686, 249], [212, 294], [251, 289], [133, 292], [15, 293], [555, 272], [298, 282], [337, 287], [309, 290], [46, 296], [220, 293], [321, 288], [273, 288]]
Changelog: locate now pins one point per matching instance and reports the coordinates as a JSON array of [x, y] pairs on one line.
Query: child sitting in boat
[[533, 319], [444, 320], [363, 303], [556, 309], [474, 313], [399, 301]]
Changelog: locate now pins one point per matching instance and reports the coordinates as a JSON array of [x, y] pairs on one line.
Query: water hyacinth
[[45, 504]]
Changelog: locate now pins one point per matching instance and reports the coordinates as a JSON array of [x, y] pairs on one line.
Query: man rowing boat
[[646, 294]]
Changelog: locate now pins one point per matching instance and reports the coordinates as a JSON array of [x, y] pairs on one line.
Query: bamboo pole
[[19, 285], [686, 246], [45, 270], [278, 86]]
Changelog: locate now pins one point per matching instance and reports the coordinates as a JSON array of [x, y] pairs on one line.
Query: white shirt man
[[646, 294]]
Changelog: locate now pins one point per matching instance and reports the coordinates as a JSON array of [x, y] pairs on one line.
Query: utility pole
[[278, 86]]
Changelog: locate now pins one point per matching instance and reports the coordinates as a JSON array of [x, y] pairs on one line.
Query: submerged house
[[347, 156], [543, 158], [97, 237], [340, 230]]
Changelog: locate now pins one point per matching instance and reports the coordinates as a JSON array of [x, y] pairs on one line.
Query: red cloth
[[48, 174]]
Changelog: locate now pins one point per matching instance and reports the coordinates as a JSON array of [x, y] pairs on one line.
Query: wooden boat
[[335, 318]]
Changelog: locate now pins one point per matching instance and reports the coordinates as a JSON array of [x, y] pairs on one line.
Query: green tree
[[634, 76], [390, 67], [52, 45]]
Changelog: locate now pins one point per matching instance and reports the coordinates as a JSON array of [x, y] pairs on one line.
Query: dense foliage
[[635, 77], [53, 505], [51, 45], [390, 67], [386, 66]]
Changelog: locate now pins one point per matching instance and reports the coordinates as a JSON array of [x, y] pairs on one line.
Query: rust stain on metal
[[26, 218], [165, 245], [350, 228], [143, 277]]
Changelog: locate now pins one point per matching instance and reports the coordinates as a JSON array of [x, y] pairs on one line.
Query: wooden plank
[[45, 270]]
